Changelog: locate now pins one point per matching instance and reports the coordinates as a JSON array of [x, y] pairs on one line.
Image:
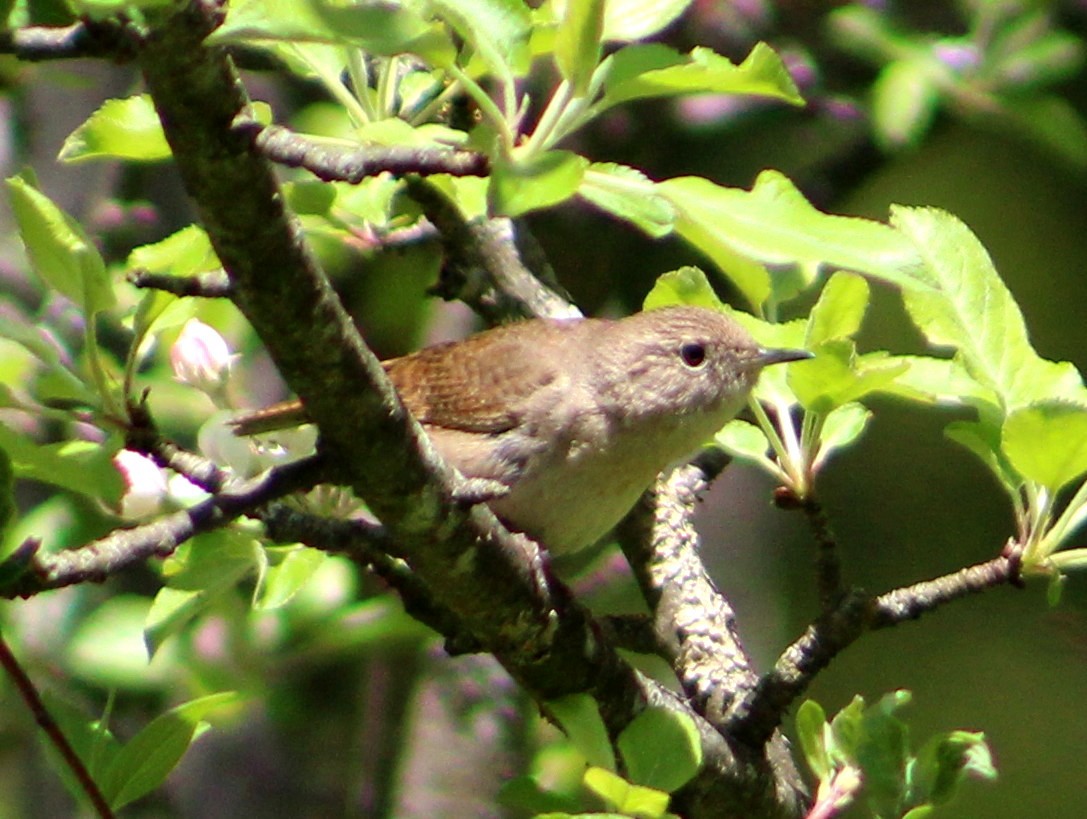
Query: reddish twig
[[46, 722]]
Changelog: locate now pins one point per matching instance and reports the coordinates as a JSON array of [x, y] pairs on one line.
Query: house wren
[[575, 417]]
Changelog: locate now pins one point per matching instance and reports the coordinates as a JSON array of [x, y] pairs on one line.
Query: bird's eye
[[693, 354]]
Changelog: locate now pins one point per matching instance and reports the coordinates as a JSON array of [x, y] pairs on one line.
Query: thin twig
[[828, 566], [370, 546], [46, 722], [84, 39], [837, 629], [211, 285], [96, 561], [339, 163]]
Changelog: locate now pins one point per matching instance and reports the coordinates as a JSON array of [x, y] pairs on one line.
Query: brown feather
[[466, 385], [479, 384]]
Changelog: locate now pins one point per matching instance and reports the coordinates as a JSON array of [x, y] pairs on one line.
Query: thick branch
[[692, 620]]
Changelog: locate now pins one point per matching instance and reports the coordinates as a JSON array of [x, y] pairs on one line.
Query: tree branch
[[837, 629], [212, 285], [83, 39], [339, 163], [37, 571], [691, 618], [483, 263]]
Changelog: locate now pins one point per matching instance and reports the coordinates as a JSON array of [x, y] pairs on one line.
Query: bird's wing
[[483, 387]]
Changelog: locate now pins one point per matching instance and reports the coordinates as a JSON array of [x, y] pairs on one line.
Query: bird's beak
[[764, 358]]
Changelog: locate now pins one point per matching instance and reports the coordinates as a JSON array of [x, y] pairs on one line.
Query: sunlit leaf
[[120, 129], [773, 228], [577, 42], [957, 299], [59, 250], [544, 180], [840, 309], [629, 194], [652, 70], [1047, 442], [661, 749], [628, 799], [629, 20]]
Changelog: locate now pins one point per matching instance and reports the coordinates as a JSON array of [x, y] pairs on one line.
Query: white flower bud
[[145, 485], [200, 357]]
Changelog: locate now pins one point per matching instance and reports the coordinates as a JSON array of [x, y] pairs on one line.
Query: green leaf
[[842, 426], [577, 42], [837, 376], [198, 573], [58, 249], [629, 20], [984, 441], [884, 752], [644, 71], [904, 102], [539, 182], [940, 381], [627, 799], [310, 197], [83, 467], [811, 727], [186, 252], [143, 763], [957, 299], [772, 227], [944, 761], [497, 29], [1047, 442], [378, 28], [579, 718], [661, 749], [846, 731], [744, 441], [839, 311], [687, 285], [120, 129], [629, 194], [288, 576]]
